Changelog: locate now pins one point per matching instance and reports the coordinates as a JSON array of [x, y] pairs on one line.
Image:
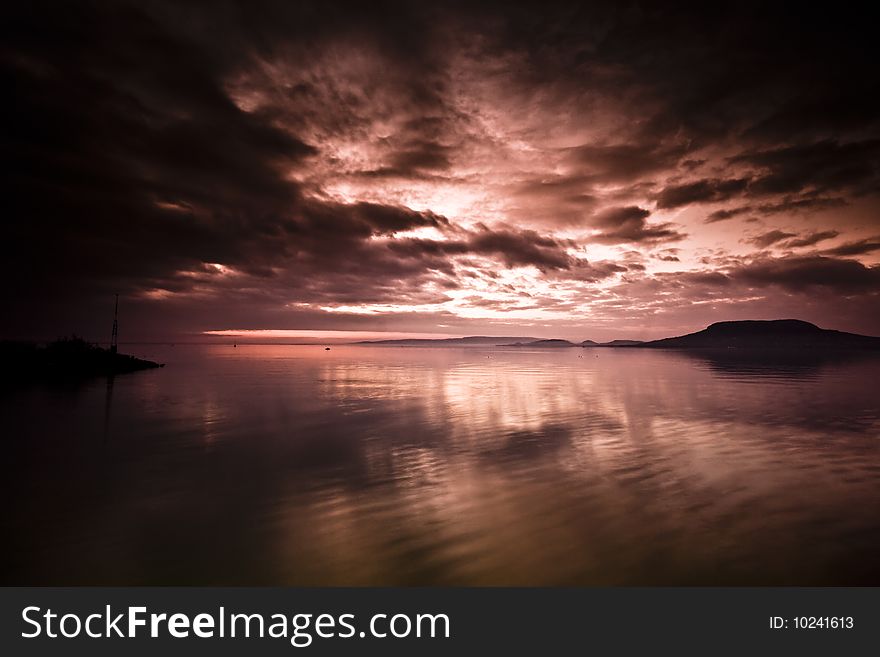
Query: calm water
[[294, 465]]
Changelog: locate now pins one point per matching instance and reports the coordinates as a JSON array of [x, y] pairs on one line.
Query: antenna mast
[[114, 337]]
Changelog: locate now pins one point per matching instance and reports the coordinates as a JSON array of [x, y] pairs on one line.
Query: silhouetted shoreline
[[67, 358]]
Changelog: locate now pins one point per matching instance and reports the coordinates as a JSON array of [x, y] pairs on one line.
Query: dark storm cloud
[[417, 159], [365, 219], [728, 213], [812, 169], [701, 191], [752, 67], [785, 206], [515, 248], [799, 274], [791, 205], [593, 272], [820, 167], [628, 224], [571, 188], [130, 161], [624, 162], [859, 247], [521, 248], [133, 168], [811, 239], [421, 155], [772, 237]]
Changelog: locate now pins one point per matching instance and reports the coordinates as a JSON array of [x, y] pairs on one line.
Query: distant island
[[67, 358], [475, 340], [767, 334], [541, 344], [745, 334]]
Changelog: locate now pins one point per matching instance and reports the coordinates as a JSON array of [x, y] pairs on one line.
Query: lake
[[292, 465]]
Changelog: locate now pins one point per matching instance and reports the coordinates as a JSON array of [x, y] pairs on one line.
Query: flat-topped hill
[[776, 334]]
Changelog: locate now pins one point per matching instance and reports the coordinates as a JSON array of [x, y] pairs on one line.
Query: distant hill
[[764, 334], [541, 344], [613, 343], [769, 334], [474, 340]]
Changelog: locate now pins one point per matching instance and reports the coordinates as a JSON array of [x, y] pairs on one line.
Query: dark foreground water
[[384, 466]]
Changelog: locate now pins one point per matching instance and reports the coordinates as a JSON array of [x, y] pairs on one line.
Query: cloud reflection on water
[[279, 464]]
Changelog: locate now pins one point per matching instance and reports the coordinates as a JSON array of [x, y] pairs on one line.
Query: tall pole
[[114, 337]]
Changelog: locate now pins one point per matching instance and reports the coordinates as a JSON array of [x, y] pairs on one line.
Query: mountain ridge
[[485, 340], [550, 343], [748, 333]]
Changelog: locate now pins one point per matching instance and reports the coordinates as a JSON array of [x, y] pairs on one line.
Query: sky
[[581, 170]]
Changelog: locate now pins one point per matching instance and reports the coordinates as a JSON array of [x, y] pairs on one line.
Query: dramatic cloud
[[811, 239], [772, 237], [800, 274], [701, 191], [629, 225], [819, 167], [592, 169], [860, 247]]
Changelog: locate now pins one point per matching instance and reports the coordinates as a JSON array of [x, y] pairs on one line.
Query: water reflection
[[292, 465], [782, 363], [108, 403]]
